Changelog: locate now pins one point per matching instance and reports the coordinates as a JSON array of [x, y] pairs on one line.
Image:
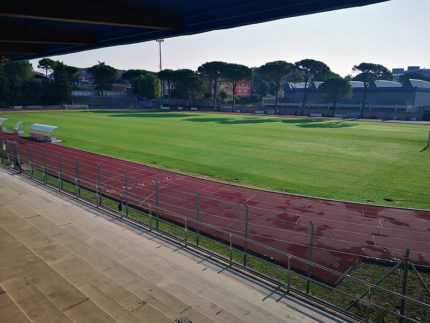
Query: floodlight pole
[[159, 41]]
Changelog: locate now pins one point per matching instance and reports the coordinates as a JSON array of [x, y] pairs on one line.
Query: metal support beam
[[20, 48], [21, 33], [245, 243], [404, 284], [111, 13]]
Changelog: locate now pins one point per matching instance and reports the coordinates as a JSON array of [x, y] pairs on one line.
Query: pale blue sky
[[394, 33]]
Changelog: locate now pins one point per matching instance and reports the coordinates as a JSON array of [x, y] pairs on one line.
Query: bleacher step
[[32, 302], [9, 311]]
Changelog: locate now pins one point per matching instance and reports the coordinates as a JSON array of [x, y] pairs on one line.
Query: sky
[[394, 33]]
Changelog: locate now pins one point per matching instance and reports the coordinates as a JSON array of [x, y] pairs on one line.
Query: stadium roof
[[417, 84], [32, 29], [357, 84], [386, 84]]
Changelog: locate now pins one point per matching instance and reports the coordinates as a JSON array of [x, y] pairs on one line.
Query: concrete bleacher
[[61, 262]]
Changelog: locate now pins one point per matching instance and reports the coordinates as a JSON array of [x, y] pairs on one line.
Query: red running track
[[344, 231]]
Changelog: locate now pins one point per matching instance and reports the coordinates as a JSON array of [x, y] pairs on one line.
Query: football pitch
[[371, 162]]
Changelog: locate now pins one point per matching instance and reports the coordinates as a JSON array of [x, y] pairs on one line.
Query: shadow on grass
[[161, 115], [302, 121], [330, 125], [234, 121]]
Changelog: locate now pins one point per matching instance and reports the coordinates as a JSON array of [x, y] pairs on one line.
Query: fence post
[[186, 231], [368, 303], [60, 171], [8, 153], [17, 162], [198, 216], [150, 218], [77, 178], [231, 251], [404, 284], [157, 214], [289, 274], [311, 254], [30, 159], [45, 176], [99, 183], [245, 244], [126, 192], [1, 150]]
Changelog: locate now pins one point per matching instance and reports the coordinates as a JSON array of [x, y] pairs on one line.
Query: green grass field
[[349, 160]]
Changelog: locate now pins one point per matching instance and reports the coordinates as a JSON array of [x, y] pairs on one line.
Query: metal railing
[[374, 296]]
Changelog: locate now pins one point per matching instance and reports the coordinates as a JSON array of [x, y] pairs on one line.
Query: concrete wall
[[101, 102]]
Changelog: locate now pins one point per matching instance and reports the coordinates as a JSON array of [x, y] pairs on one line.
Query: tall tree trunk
[[366, 86], [305, 96], [214, 93], [234, 96], [334, 107], [170, 93]]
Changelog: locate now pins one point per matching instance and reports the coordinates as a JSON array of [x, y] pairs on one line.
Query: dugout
[[2, 127], [43, 132]]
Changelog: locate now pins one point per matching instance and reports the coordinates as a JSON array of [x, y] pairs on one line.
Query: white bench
[[259, 112], [193, 109], [316, 115], [180, 108]]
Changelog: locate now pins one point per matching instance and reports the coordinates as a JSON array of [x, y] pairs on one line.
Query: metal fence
[[372, 291]]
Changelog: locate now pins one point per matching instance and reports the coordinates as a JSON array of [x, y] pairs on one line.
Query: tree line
[[19, 87]]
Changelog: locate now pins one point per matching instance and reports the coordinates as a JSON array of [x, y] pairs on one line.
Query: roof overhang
[[32, 29]]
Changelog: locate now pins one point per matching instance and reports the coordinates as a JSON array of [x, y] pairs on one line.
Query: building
[[397, 72], [86, 87], [243, 88], [384, 99]]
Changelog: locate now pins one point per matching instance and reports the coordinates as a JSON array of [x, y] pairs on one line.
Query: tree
[[103, 75], [170, 77], [235, 73], [189, 85], [222, 96], [73, 73], [147, 85], [335, 90], [263, 90], [311, 70], [213, 72], [17, 73], [279, 72], [272, 88], [131, 75], [3, 86], [369, 72], [47, 64], [61, 85]]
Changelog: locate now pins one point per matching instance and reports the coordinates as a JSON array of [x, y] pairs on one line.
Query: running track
[[344, 232]]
